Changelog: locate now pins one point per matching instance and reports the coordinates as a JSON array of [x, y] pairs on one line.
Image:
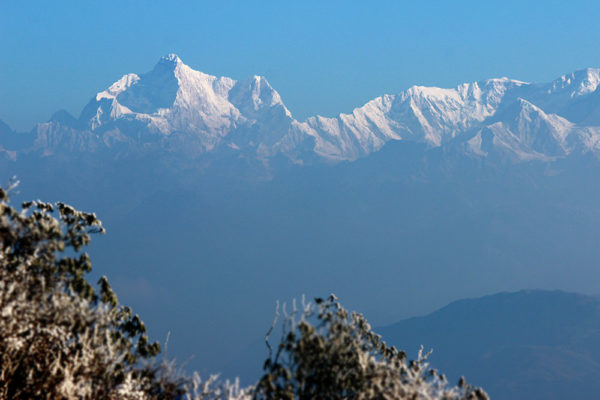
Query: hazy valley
[[217, 202]]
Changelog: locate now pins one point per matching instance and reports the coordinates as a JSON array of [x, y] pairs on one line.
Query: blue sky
[[324, 57]]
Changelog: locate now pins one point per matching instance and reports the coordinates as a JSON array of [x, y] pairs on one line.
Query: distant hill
[[526, 345]]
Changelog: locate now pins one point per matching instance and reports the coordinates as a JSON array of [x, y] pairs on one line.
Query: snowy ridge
[[430, 115], [174, 98], [188, 111]]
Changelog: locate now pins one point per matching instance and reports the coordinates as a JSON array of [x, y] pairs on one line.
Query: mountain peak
[[174, 97], [65, 118], [577, 83], [171, 58], [517, 111]]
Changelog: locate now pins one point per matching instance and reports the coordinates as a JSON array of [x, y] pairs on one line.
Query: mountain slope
[[523, 345], [174, 109], [175, 98]]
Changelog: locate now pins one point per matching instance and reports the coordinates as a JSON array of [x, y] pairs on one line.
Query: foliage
[[213, 389], [59, 337], [339, 357]]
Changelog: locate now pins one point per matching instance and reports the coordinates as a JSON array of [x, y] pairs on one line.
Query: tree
[[337, 356], [60, 338]]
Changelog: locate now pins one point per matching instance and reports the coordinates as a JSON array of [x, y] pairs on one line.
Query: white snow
[[525, 120], [118, 87]]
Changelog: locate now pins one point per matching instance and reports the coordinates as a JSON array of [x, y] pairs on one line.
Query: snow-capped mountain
[[174, 100], [508, 109], [177, 109]]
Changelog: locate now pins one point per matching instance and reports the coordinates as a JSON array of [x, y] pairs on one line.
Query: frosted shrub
[[213, 389], [327, 353], [59, 337]]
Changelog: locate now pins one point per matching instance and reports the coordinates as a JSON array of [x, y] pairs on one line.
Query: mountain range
[[177, 110], [217, 202]]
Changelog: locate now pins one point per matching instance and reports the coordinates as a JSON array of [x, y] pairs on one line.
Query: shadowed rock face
[[523, 345], [154, 90]]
